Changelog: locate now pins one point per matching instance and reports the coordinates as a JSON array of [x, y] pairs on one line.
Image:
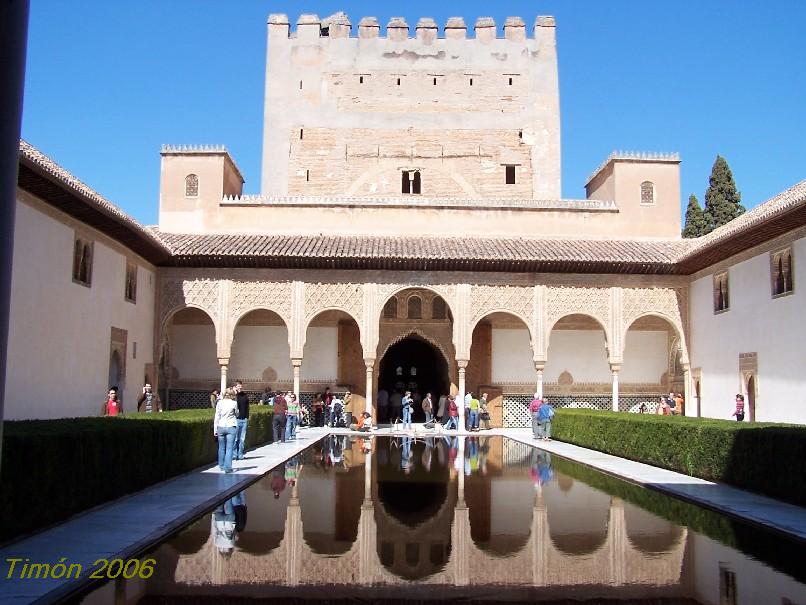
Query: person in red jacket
[[453, 414], [113, 405]]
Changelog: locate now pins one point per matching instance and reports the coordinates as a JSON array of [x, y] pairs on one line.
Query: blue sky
[[108, 83]]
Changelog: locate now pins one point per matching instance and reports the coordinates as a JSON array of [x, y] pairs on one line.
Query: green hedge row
[[52, 469], [766, 458]]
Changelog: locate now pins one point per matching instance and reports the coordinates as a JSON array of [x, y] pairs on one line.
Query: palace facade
[[409, 232]]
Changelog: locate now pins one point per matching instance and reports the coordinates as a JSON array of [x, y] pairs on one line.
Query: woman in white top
[[224, 427]]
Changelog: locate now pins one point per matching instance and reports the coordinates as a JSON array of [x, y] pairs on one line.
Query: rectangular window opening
[[520, 134], [307, 175], [360, 79], [300, 84], [510, 81], [300, 134], [510, 169], [398, 81], [435, 81], [471, 81]]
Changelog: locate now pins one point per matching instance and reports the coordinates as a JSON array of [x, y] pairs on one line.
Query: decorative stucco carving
[[180, 293], [349, 297], [569, 300], [668, 303], [518, 300], [248, 296]]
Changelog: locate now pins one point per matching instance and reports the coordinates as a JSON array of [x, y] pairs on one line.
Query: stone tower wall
[[346, 115]]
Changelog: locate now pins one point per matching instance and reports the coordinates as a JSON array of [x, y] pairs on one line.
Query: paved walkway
[[133, 524]]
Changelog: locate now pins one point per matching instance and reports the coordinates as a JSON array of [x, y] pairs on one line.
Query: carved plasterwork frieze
[[177, 294], [667, 303], [486, 299], [348, 297], [247, 296], [569, 300]]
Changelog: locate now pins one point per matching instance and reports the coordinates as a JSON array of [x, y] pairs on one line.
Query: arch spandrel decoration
[[347, 297], [177, 294], [516, 300], [248, 296], [570, 300], [667, 303], [446, 291]]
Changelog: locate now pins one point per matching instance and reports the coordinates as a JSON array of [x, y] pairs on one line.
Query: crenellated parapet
[[426, 30]]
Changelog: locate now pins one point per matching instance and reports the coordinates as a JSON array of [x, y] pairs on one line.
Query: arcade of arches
[[579, 345]]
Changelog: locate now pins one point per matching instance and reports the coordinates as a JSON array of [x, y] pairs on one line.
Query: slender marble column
[[224, 363], [370, 364], [460, 396], [296, 363], [615, 369], [539, 367]]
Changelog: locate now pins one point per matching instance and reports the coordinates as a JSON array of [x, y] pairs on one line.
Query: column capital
[[296, 362], [615, 368], [369, 362], [462, 363], [223, 361], [686, 367], [540, 366]]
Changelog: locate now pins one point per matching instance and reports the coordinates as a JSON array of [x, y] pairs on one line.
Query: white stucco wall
[[59, 335], [321, 354], [513, 361], [755, 323], [256, 348], [646, 355], [193, 351], [581, 353]]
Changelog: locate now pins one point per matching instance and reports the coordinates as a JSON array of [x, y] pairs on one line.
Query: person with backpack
[[544, 416], [534, 409]]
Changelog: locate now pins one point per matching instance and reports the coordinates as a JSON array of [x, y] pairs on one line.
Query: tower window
[[398, 81], [510, 81], [415, 308], [300, 134], [307, 175], [647, 192], [191, 185], [721, 293], [300, 84], [360, 79], [781, 272], [471, 81], [435, 81], [510, 170], [410, 182]]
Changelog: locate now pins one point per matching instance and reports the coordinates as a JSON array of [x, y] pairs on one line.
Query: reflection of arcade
[[504, 519], [415, 365]]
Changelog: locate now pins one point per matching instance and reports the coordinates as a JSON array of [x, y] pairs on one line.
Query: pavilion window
[[82, 261], [390, 309], [781, 272], [721, 293], [510, 174], [410, 182], [192, 185], [438, 308], [415, 308], [130, 292], [360, 79], [647, 192]]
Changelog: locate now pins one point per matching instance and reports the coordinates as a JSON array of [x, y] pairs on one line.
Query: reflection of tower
[[618, 542], [460, 533], [293, 538], [540, 537]]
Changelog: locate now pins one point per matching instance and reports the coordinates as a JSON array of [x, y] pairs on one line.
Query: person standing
[[544, 416], [348, 408], [395, 405], [112, 406], [534, 410], [739, 413], [383, 406], [484, 411], [473, 408], [428, 408], [279, 418], [408, 408], [149, 401], [215, 395], [225, 426], [292, 418], [318, 410], [453, 414], [242, 399]]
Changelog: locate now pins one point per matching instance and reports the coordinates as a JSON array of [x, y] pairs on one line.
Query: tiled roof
[[434, 253]]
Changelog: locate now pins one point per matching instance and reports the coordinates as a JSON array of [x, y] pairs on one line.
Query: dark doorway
[[751, 399], [415, 365]]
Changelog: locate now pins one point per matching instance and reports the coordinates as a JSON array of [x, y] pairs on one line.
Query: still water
[[487, 518]]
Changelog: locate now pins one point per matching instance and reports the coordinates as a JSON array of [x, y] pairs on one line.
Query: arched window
[[438, 308], [82, 261], [78, 252], [390, 309], [721, 299], [131, 283], [415, 310], [781, 272], [86, 265], [191, 185], [647, 192]]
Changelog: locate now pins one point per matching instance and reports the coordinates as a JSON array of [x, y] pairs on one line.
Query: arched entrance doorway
[[416, 365], [751, 399]]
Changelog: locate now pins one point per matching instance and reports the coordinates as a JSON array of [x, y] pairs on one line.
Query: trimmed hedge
[[766, 458], [52, 469]]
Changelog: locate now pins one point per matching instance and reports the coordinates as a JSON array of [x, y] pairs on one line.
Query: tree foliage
[[696, 224], [722, 201]]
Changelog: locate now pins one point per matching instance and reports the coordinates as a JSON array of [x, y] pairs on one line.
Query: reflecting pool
[[488, 518]]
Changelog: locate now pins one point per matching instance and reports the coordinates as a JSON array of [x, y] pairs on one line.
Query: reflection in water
[[451, 514]]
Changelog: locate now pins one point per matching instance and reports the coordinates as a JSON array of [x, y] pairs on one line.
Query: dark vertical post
[[13, 40]]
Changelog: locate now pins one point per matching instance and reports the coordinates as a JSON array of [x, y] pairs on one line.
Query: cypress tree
[[722, 201], [696, 225]]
